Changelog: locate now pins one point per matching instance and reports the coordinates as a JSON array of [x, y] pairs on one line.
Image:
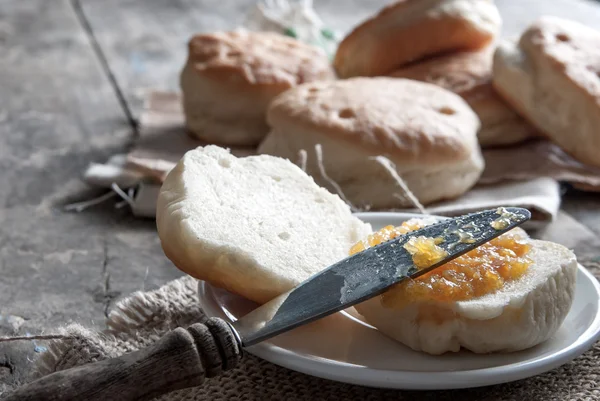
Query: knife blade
[[370, 272], [185, 357]]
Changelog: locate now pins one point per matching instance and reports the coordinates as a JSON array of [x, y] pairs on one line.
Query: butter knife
[[185, 357]]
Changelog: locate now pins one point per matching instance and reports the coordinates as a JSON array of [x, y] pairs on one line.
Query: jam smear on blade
[[425, 251], [504, 220], [481, 271]]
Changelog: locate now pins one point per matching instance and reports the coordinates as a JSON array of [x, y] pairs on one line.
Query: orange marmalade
[[481, 271]]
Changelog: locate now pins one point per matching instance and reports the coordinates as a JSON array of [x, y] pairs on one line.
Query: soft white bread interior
[[552, 78], [524, 313], [411, 30], [429, 133], [256, 226]]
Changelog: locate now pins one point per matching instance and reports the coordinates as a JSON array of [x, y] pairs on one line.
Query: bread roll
[[469, 74], [410, 30], [230, 78], [428, 132], [522, 314], [552, 77], [256, 226]]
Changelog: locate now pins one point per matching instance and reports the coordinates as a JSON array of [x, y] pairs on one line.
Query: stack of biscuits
[[424, 84]]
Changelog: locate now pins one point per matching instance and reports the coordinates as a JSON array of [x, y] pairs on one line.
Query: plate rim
[[413, 380]]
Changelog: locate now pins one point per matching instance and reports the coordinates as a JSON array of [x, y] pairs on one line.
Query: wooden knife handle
[[182, 358]]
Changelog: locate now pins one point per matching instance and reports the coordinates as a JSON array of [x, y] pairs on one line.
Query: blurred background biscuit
[[410, 30], [552, 77], [469, 74], [230, 78]]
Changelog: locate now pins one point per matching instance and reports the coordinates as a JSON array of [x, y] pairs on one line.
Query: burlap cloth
[[142, 318]]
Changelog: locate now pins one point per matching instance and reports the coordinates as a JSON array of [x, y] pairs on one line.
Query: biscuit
[[469, 74], [429, 133], [230, 78], [552, 78], [410, 30]]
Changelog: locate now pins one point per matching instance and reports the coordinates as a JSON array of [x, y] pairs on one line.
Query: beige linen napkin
[[523, 176], [538, 158]]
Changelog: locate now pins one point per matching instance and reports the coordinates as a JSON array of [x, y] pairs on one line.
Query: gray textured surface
[[157, 31], [71, 75], [58, 112]]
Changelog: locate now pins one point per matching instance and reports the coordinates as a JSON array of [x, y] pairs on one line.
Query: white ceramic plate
[[342, 347]]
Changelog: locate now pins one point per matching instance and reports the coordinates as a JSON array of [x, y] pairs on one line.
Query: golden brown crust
[[457, 72], [517, 107], [231, 77], [469, 74], [569, 47], [257, 59], [413, 121], [411, 30], [552, 77]]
